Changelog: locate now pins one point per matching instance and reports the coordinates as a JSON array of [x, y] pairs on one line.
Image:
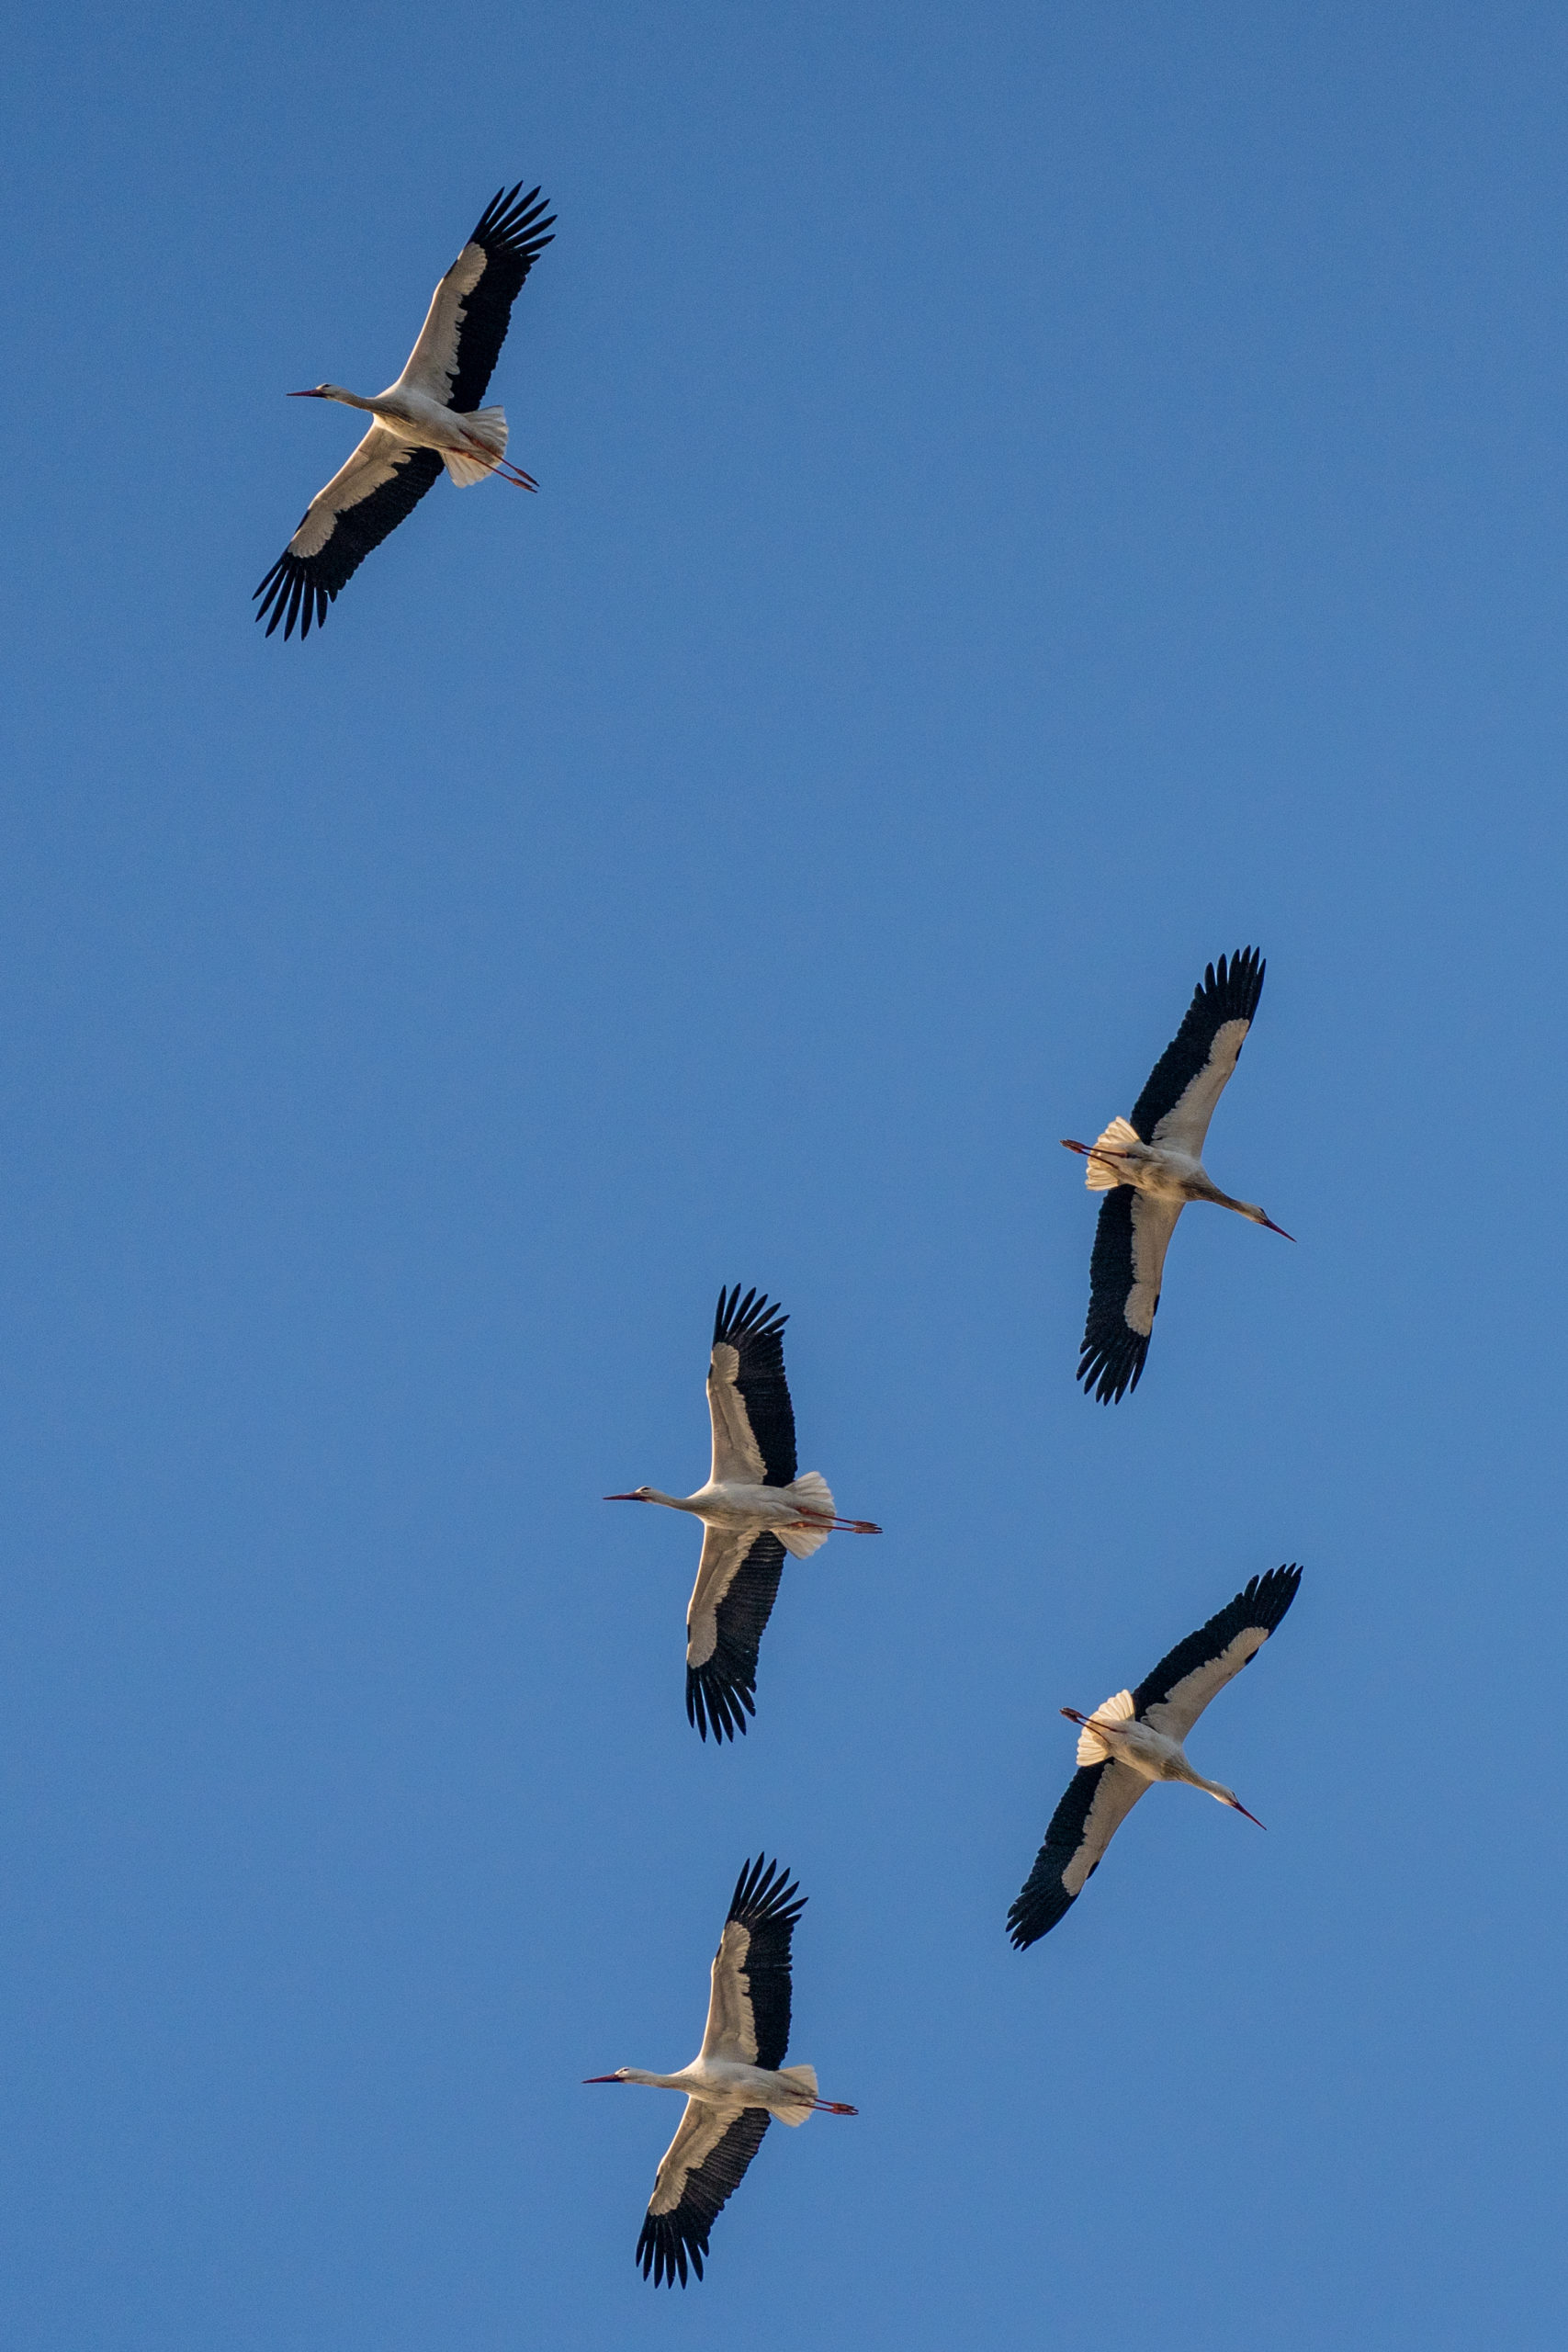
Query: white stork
[[1152, 1165], [753, 1511], [737, 2081], [431, 418], [1137, 1737]]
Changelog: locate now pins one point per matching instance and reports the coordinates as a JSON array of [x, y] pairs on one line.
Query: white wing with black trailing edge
[[702, 2166], [1172, 1698], [737, 1581], [753, 1420]]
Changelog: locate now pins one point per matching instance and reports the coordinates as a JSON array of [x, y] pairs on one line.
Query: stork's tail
[[1101, 1175], [1119, 1710], [815, 1496], [488, 427], [806, 2077]]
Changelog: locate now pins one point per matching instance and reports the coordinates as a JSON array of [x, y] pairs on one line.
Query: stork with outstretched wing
[[429, 419], [754, 1508], [1138, 1738], [736, 2083], [1151, 1165]]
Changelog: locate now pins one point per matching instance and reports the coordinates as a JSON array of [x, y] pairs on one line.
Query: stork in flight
[[1150, 1166], [753, 1511], [1137, 1737], [431, 418], [736, 2082]]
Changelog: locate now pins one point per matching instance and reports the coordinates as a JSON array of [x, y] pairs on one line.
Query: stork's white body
[[801, 1514], [789, 2093], [1113, 1731], [1120, 1156]]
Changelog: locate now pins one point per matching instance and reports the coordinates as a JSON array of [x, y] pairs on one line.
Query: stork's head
[[318, 392], [1251, 1209], [1229, 1796], [638, 1495], [620, 2076]]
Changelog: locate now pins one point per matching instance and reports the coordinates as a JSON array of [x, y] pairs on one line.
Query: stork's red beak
[[623, 1498], [1238, 1807], [1279, 1229], [311, 395], [601, 2078]]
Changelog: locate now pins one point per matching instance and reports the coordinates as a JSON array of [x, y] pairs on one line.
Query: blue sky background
[[1031, 497]]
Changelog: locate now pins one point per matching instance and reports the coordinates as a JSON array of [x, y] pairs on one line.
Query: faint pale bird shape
[[1150, 1166], [736, 2082], [1137, 1737], [429, 419], [754, 1508]]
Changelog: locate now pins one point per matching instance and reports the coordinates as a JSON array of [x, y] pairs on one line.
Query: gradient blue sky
[[1031, 497]]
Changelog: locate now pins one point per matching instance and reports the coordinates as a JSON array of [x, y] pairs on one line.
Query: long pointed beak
[[311, 395], [601, 2078], [621, 1498], [1238, 1807], [1279, 1229]]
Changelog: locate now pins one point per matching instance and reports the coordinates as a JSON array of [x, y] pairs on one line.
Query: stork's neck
[[671, 1502], [654, 2082], [350, 399]]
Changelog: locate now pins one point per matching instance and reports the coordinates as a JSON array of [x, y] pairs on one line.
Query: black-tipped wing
[[1186, 1082], [1172, 1698], [702, 2166], [1124, 1276], [753, 1420], [470, 310], [749, 2007], [737, 1580], [1098, 1799], [369, 497]]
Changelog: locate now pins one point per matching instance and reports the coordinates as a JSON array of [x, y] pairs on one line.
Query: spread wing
[[702, 2166], [1186, 1082], [471, 309], [383, 480], [1124, 1276], [738, 1579], [1172, 1698], [1098, 1800], [749, 2007], [753, 1420]]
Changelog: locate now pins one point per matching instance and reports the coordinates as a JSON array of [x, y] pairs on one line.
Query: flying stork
[[737, 2081], [1136, 1737], [431, 418], [753, 1511], [1150, 1166]]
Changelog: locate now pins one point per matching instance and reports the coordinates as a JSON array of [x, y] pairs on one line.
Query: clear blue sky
[[1031, 497]]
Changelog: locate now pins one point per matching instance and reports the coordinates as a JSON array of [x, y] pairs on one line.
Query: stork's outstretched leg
[[502, 465], [836, 1526]]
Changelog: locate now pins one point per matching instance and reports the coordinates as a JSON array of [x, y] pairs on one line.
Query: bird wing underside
[[702, 2168], [749, 2005], [737, 1581], [753, 1420], [1171, 1699], [1096, 1801], [366, 498], [1177, 1102], [1124, 1277], [731, 2030], [471, 308]]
